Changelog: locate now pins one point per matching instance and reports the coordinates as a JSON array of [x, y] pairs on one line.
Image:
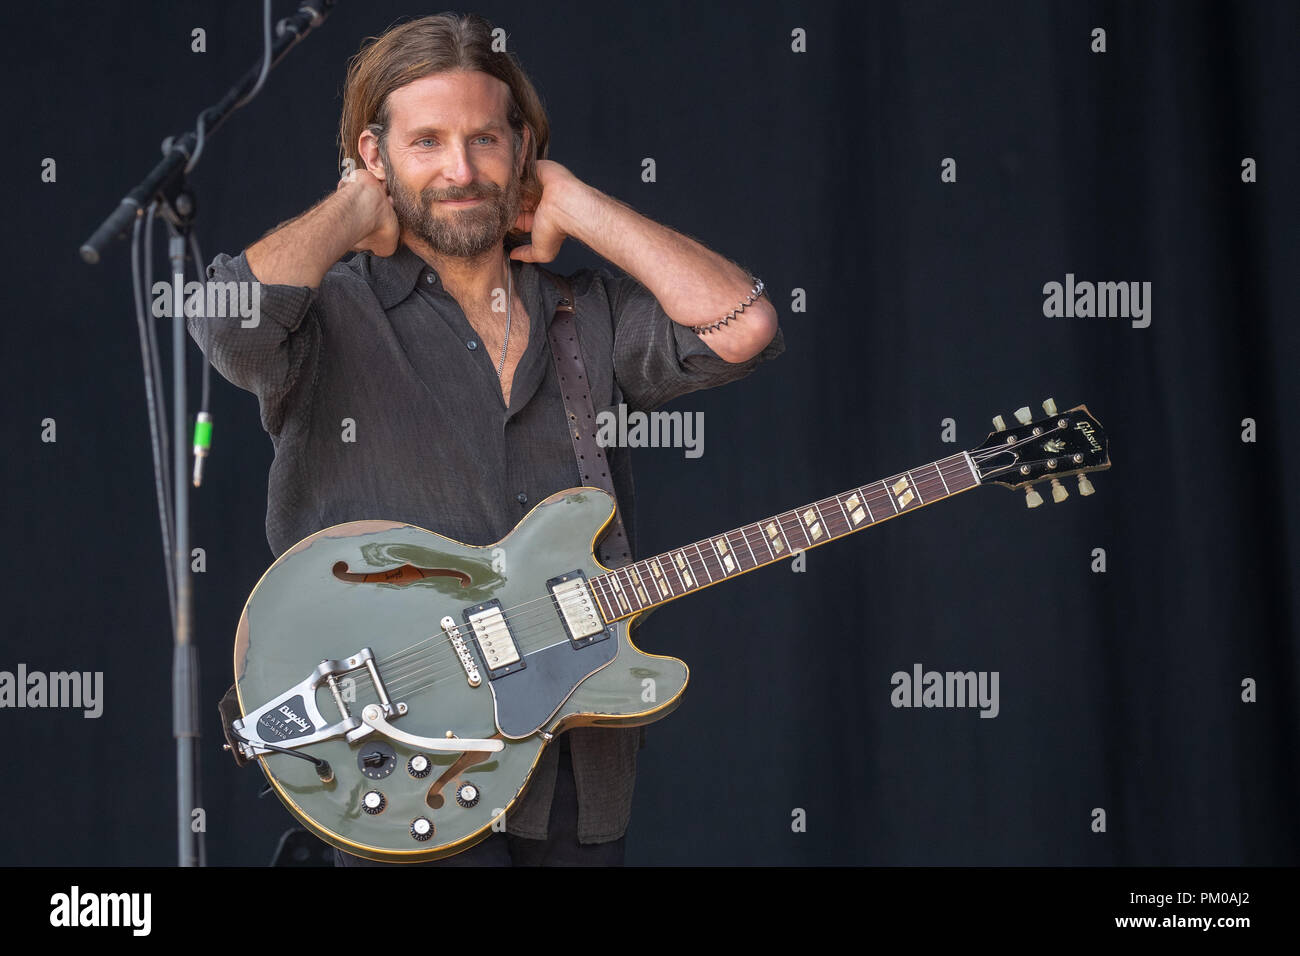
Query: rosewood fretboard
[[663, 577]]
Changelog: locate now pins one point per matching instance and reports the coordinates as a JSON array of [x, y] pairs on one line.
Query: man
[[431, 347]]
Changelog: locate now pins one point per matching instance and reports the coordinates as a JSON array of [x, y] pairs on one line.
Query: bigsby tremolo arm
[[292, 719], [372, 716]]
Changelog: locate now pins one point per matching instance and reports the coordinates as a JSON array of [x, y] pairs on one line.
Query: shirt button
[[521, 498], [428, 277], [471, 345]]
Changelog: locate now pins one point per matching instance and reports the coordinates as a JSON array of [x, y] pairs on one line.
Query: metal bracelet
[[749, 300]]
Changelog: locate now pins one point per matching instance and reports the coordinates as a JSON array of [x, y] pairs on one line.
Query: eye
[[423, 140], [488, 137]]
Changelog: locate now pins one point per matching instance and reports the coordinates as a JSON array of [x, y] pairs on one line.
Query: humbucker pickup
[[496, 645], [577, 607]]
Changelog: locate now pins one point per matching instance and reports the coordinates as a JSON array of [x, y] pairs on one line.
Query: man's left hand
[[544, 222]]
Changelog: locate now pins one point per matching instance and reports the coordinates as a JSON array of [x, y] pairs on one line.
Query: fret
[[723, 549], [832, 524], [745, 537], [642, 584], [684, 570], [657, 575], [602, 597], [848, 525], [641, 591], [669, 564], [618, 594], [859, 510], [916, 487], [889, 496], [703, 561], [625, 589], [799, 524], [814, 525], [631, 587]]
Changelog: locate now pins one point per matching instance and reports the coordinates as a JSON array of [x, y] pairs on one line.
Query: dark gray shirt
[[382, 346]]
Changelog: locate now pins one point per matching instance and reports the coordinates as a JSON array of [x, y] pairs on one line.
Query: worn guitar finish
[[301, 612], [445, 668]]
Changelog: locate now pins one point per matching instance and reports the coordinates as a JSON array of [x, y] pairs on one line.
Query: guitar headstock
[[1054, 447]]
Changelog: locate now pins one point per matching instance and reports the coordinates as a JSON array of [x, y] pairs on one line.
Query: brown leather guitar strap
[[593, 466]]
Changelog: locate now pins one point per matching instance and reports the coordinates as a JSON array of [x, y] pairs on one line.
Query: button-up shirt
[[380, 401]]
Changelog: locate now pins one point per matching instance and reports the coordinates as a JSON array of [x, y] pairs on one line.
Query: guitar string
[[522, 626], [749, 533], [453, 669]]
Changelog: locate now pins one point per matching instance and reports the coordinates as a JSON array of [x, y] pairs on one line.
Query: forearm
[[302, 250], [695, 285]]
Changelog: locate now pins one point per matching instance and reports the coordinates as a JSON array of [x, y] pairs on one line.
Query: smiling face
[[450, 161]]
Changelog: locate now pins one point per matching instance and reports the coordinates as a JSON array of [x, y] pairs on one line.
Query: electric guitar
[[448, 667]]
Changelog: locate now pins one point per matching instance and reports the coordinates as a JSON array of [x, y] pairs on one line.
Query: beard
[[462, 233]]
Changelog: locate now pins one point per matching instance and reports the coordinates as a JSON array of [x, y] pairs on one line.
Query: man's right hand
[[375, 205], [357, 216]]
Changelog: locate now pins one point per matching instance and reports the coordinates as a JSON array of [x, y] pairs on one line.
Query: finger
[[522, 253]]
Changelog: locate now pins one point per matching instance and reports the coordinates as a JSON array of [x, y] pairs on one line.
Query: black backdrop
[[820, 171]]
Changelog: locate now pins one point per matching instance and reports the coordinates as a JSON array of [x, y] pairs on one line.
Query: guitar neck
[[644, 584]]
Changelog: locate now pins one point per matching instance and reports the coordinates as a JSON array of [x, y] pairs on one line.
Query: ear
[[368, 149]]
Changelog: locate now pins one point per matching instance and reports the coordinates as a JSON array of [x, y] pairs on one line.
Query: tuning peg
[[1085, 486], [1032, 498], [999, 424], [1049, 406], [1024, 415], [1059, 493]]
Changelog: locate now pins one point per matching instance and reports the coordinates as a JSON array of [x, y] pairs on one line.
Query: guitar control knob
[[421, 828], [467, 795], [1059, 493], [373, 802], [418, 766], [1085, 486], [1032, 498]]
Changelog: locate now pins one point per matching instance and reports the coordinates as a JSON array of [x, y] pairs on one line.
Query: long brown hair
[[438, 44]]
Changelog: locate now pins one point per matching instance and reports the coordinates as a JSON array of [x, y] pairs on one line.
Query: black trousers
[[504, 849]]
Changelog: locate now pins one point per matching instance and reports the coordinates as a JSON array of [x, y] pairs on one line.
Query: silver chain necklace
[[510, 301]]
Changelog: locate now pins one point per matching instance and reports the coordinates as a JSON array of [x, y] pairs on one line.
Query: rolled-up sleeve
[[655, 358], [269, 353]]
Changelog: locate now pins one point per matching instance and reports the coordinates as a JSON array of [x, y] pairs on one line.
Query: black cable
[[323, 769], [143, 325], [160, 397], [202, 270]]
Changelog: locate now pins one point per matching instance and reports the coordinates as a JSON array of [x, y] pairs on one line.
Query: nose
[[458, 170]]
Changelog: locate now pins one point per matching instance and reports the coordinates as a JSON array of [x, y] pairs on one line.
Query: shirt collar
[[394, 277]]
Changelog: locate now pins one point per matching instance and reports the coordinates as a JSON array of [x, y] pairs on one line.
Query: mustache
[[455, 195]]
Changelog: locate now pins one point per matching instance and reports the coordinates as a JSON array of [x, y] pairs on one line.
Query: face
[[450, 163]]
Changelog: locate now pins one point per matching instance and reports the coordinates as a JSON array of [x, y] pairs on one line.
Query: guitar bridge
[[292, 719]]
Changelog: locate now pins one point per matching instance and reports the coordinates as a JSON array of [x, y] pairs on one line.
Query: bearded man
[[432, 343]]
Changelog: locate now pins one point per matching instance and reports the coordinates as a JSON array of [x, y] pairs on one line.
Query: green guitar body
[[390, 587]]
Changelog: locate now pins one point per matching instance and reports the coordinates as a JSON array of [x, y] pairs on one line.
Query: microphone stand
[[166, 190]]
